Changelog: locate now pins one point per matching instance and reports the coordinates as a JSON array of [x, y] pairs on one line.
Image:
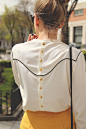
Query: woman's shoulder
[[21, 46], [76, 53]]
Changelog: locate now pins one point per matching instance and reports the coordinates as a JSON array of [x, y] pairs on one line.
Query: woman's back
[[42, 68]]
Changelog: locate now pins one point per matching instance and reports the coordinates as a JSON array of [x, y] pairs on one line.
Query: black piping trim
[[51, 69], [78, 55]]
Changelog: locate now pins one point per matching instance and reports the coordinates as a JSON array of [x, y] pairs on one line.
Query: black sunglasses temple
[[32, 18]]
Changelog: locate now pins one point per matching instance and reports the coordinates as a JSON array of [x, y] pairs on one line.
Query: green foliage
[[2, 51], [8, 37], [6, 64], [1, 77], [1, 69], [7, 84], [16, 23], [9, 18], [9, 21], [3, 30], [84, 52], [14, 85]]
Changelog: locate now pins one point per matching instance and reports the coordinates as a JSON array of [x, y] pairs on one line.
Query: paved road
[[11, 124]]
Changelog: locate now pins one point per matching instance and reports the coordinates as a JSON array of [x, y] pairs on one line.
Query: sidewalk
[[9, 124]]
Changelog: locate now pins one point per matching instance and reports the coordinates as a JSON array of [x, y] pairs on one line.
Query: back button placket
[[41, 77]]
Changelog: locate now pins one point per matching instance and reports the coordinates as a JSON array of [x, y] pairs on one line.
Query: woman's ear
[[37, 21], [61, 25]]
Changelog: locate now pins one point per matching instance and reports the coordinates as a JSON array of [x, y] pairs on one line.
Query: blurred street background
[[15, 27]]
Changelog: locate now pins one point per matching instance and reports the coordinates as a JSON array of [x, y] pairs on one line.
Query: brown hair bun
[[51, 12]]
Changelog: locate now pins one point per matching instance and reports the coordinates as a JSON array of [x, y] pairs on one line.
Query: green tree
[[3, 31], [9, 20], [8, 37], [23, 7], [64, 33], [20, 26]]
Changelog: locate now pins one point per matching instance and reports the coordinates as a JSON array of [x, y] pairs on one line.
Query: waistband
[[48, 114]]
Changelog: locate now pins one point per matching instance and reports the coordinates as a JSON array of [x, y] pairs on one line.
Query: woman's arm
[[14, 62], [14, 69], [79, 92]]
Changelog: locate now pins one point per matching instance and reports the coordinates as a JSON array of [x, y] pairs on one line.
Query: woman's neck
[[45, 35]]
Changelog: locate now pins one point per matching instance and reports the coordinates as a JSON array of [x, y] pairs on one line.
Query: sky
[[11, 3]]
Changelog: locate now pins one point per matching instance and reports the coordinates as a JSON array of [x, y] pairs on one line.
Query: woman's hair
[[52, 12]]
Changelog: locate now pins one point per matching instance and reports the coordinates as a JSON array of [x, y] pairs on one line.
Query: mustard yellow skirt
[[47, 120]]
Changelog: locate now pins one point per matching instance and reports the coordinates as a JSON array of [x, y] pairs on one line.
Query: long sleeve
[[79, 92], [15, 70]]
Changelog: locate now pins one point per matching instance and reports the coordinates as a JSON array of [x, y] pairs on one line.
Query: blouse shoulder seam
[[50, 70], [78, 56]]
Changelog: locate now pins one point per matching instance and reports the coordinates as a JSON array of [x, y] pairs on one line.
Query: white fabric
[[55, 85]]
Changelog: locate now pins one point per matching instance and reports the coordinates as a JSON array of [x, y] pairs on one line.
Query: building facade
[[5, 45], [77, 25]]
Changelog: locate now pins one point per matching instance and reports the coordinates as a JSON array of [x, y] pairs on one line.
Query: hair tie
[[64, 1]]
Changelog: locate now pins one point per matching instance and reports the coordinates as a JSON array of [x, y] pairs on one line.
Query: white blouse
[[41, 70]]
